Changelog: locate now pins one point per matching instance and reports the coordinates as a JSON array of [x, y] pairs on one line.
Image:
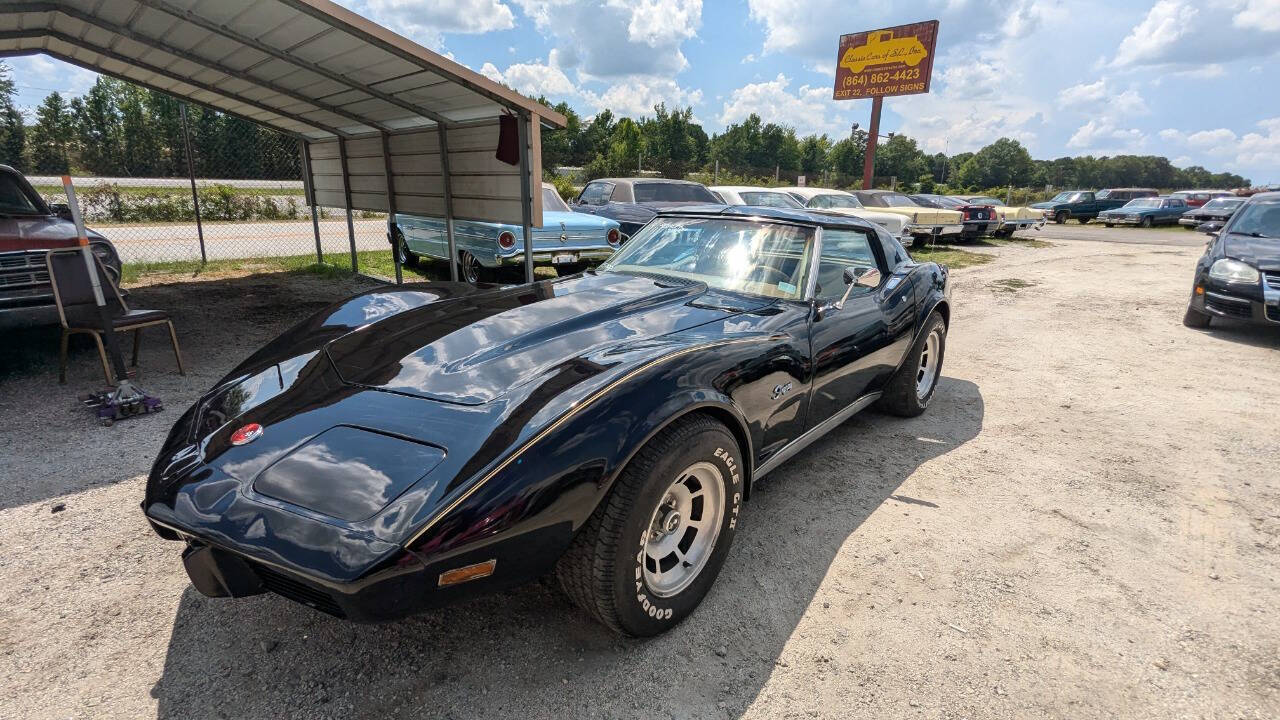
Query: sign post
[[879, 63]]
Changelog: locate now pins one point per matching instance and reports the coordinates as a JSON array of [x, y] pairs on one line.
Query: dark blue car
[[1146, 212]]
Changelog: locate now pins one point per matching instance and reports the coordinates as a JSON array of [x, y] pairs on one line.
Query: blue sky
[[1194, 80]]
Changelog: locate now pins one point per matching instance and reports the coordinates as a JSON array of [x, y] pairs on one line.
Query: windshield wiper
[[1255, 233]]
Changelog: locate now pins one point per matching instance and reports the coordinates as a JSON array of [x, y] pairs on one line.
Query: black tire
[[469, 268], [603, 573], [407, 257], [1146, 222], [1109, 224], [901, 396], [1192, 228], [1195, 319], [570, 269], [1061, 217], [1083, 220]]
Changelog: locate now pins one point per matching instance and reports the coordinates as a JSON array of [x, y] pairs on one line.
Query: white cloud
[[534, 79], [636, 96], [1100, 98], [808, 110], [1194, 32], [617, 38], [1224, 146], [1261, 14], [428, 21], [1104, 138]]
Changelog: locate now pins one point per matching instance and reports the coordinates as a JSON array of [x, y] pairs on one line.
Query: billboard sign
[[889, 61]]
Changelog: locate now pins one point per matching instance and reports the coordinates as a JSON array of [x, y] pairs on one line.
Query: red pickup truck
[[29, 228]]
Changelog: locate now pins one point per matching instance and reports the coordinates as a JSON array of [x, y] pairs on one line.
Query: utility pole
[[869, 157]]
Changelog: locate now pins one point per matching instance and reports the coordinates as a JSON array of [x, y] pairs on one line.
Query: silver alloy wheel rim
[[402, 247], [927, 374], [470, 267], [682, 532]]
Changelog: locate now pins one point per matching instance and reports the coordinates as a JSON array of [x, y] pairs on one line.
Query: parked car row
[[1145, 207]]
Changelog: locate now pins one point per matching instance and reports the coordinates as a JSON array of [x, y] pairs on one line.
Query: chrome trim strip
[[813, 433], [471, 490]]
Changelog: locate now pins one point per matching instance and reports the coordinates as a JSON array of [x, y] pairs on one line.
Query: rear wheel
[[1195, 319], [469, 268], [652, 549], [407, 257], [1083, 220], [911, 389]]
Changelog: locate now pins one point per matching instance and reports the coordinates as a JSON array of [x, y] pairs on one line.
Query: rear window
[[886, 200], [672, 192], [770, 199]]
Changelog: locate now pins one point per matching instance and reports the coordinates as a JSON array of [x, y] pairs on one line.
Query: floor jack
[[125, 400]]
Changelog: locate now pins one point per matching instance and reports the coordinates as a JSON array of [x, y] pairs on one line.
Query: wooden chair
[[78, 310]]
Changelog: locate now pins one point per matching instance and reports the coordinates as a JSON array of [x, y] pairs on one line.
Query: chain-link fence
[[247, 202]]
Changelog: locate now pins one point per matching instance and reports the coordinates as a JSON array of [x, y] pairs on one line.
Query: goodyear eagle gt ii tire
[[909, 391], [651, 551]]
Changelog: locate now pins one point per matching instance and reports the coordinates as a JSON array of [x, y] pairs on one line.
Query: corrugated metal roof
[[305, 67]]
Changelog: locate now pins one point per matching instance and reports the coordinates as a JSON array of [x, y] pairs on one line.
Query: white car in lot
[[750, 195], [839, 201]]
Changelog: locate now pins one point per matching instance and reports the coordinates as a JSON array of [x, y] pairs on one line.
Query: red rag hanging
[[508, 140]]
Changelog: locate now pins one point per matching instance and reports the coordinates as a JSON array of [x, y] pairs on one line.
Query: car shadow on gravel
[[527, 653], [1237, 331], [59, 447]]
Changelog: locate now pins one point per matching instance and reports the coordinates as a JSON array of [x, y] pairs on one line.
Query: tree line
[[119, 129]]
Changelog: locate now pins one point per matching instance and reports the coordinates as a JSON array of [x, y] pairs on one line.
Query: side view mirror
[[62, 210], [853, 277], [1209, 228]]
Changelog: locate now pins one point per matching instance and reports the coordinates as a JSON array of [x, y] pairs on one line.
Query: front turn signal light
[[467, 572]]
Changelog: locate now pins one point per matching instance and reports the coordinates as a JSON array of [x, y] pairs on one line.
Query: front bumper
[[559, 256], [1119, 220], [1243, 303]]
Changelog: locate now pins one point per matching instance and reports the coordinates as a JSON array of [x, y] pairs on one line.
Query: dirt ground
[[1086, 524]]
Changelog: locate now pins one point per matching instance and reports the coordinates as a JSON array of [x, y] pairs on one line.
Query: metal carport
[[384, 123]]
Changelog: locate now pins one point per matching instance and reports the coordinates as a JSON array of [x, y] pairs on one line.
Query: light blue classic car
[[1146, 211], [567, 241]]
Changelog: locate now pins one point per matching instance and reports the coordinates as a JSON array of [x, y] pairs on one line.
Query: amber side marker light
[[467, 572], [1199, 289]]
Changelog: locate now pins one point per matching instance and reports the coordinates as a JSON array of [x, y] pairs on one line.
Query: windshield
[[986, 201], [739, 255], [673, 192], [14, 199], [1223, 204], [551, 200], [835, 201], [1143, 202], [1259, 219], [769, 199], [895, 200]]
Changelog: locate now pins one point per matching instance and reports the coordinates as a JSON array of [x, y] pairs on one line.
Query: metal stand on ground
[[126, 399]]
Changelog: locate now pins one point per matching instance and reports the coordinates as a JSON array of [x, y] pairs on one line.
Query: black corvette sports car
[[1238, 277], [419, 444]]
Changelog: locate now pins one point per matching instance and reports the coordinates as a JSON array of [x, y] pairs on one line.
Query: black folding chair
[[78, 309]]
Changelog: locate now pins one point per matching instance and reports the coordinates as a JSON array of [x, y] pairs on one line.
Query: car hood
[[1262, 253], [1045, 205], [893, 222], [472, 349], [41, 232]]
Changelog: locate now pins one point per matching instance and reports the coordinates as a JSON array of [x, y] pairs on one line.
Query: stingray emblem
[[246, 434], [564, 233]]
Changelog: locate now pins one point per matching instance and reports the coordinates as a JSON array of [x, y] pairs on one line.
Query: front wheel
[[652, 549], [1061, 217], [911, 389], [1195, 319], [1146, 222], [1083, 220]]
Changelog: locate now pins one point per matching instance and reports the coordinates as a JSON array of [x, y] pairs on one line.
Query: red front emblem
[[246, 434]]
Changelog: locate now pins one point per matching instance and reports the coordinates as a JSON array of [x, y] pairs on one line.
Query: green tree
[[1003, 162], [814, 151], [13, 132], [902, 159], [625, 146], [50, 139], [671, 146]]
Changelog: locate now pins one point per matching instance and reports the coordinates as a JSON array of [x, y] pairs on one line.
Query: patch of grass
[[1010, 285], [950, 256], [1014, 241]]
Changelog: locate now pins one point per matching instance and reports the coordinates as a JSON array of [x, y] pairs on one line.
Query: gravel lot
[[1176, 236], [1086, 524]]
